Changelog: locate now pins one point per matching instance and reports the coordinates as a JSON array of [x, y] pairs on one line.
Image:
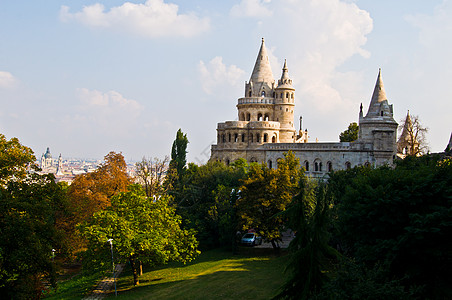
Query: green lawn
[[215, 274]]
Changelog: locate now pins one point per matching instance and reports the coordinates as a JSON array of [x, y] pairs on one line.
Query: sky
[[89, 77]]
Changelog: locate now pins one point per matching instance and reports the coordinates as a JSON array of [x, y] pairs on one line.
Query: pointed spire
[[262, 71], [378, 96], [285, 81]]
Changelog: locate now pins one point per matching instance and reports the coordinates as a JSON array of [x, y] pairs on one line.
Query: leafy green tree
[[29, 206], [267, 192], [142, 229], [208, 203], [178, 163], [311, 255], [350, 134], [400, 218], [15, 159]]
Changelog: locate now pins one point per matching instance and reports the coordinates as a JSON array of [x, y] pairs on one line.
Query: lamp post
[[53, 255], [113, 264]]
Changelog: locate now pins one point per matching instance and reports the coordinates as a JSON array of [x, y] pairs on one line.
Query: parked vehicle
[[251, 239]]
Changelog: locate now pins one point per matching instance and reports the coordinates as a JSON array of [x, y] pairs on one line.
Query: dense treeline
[[361, 234]]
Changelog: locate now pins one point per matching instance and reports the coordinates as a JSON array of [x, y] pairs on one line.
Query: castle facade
[[265, 129]]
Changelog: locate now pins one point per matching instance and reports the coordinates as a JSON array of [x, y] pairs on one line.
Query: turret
[[284, 106], [378, 129]]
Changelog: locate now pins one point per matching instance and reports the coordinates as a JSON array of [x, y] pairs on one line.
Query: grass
[[76, 287], [214, 274]]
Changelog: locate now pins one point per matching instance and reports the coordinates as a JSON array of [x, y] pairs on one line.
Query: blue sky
[[88, 77]]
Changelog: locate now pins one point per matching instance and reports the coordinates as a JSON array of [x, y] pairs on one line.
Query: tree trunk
[[141, 268], [275, 245], [133, 264]]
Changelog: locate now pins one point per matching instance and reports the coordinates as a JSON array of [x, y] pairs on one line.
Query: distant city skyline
[[89, 77]]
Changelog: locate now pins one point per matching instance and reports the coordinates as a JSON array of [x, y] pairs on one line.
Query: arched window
[[223, 137], [263, 94], [265, 137], [236, 138], [281, 95], [382, 113], [259, 117], [274, 139], [306, 165], [329, 166], [266, 118], [287, 95], [242, 117], [316, 166], [249, 94], [320, 166], [348, 165], [258, 138], [270, 164], [229, 138], [273, 94], [243, 138], [248, 117]]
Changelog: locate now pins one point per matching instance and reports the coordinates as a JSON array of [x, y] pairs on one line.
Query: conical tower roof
[[378, 96], [407, 128], [285, 81], [262, 71]]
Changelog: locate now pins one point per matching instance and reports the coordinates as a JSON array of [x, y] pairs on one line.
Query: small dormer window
[[263, 94]]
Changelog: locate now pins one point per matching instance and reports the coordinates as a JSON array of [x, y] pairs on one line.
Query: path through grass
[[214, 274]]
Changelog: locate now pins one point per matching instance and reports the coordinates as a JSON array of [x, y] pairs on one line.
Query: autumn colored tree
[[92, 192], [142, 229], [350, 134], [151, 175], [266, 193]]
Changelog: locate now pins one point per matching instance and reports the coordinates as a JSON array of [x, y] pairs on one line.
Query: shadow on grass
[[214, 274]]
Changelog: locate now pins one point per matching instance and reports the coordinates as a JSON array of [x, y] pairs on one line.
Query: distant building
[[265, 128], [46, 160]]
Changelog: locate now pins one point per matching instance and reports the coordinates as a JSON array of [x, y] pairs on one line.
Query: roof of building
[[378, 96], [262, 71]]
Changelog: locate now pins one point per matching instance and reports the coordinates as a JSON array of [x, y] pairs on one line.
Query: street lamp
[[113, 264], [53, 255]]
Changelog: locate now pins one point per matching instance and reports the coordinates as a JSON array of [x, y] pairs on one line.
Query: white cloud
[[216, 75], [153, 19], [317, 37], [251, 8], [7, 80], [107, 113]]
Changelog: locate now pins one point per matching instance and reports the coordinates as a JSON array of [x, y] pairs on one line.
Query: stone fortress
[[265, 129]]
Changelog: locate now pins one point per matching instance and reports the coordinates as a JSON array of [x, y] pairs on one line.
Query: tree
[[208, 201], [412, 140], [350, 134], [400, 218], [151, 174], [15, 159], [311, 255], [92, 192], [143, 230], [29, 205], [267, 192]]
